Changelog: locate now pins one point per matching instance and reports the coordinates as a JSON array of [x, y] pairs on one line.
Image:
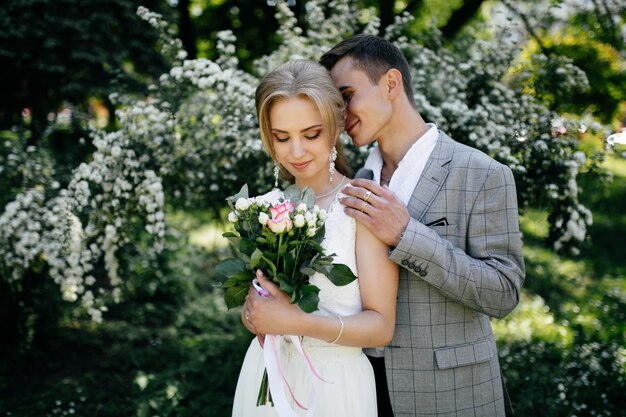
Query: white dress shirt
[[409, 171]]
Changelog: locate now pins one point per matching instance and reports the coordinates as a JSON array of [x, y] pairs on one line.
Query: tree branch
[[460, 17], [527, 24]]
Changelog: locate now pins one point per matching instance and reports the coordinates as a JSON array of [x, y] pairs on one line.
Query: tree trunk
[[386, 14], [186, 32], [460, 17]]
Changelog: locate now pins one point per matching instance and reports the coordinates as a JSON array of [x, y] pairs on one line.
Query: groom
[[449, 213]]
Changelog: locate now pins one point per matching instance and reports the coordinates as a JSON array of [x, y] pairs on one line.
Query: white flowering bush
[[195, 140]]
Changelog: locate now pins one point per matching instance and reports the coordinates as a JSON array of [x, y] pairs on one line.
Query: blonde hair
[[307, 79]]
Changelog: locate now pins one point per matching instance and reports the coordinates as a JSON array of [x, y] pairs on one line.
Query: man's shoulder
[[466, 156]]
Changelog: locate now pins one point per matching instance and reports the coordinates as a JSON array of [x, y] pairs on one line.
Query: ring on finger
[[367, 195], [362, 209]]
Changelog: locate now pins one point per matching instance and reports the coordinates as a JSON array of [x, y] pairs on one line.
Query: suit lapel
[[433, 177]]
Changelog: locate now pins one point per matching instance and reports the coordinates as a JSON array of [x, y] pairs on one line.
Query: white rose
[[323, 215], [299, 221], [263, 218], [232, 217], [242, 204], [311, 231], [260, 200], [301, 208], [310, 217]]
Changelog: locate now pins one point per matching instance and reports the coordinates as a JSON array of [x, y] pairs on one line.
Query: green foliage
[[602, 76], [55, 51], [562, 349], [171, 348]]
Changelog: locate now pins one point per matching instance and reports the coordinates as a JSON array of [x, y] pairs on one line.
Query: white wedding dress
[[350, 390]]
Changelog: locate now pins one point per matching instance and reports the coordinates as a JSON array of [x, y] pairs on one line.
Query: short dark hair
[[374, 56]]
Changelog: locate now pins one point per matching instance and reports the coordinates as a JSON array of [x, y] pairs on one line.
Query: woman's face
[[301, 142]]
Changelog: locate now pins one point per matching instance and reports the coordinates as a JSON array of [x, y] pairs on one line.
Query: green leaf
[[229, 234], [310, 299], [319, 233], [307, 271], [270, 265], [246, 246], [289, 261], [243, 192], [235, 296], [241, 278], [292, 193], [229, 267], [308, 197], [256, 258], [284, 283], [340, 275], [270, 236]]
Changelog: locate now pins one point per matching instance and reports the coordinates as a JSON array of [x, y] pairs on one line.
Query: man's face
[[368, 108]]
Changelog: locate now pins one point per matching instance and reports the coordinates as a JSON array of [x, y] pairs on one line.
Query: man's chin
[[356, 141]]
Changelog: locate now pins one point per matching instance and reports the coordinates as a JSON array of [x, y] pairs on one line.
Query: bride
[[300, 115]]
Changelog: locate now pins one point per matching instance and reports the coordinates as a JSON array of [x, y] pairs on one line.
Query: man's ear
[[393, 81]]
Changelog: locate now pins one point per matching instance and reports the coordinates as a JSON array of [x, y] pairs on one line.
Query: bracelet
[[340, 330]]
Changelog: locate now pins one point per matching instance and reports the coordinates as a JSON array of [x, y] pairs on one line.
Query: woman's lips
[[300, 165]]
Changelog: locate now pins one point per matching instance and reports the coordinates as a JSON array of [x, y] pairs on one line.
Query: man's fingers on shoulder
[[361, 182], [367, 185]]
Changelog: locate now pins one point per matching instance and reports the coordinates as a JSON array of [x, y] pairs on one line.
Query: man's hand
[[378, 208]]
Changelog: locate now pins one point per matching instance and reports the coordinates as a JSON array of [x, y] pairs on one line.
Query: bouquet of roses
[[281, 234]]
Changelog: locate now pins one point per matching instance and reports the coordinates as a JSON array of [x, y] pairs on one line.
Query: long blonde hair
[[307, 79]]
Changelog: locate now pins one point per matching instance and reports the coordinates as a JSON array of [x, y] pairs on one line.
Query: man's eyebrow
[[303, 130]]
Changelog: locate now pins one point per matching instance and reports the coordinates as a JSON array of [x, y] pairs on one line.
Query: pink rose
[[280, 221], [282, 211], [280, 226]]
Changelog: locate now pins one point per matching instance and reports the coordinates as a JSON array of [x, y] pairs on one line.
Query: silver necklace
[[332, 191]]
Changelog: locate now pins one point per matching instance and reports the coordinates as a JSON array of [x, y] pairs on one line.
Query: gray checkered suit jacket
[[453, 278]]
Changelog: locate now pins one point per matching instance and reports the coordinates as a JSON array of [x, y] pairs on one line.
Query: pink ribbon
[[276, 376]]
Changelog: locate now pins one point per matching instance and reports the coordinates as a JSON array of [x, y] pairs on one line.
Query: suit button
[[411, 265], [405, 262], [418, 268], [423, 273]]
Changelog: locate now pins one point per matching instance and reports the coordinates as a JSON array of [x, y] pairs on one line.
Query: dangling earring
[[331, 162], [276, 175]]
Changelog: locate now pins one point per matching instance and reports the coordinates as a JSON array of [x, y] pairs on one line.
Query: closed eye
[[314, 136]]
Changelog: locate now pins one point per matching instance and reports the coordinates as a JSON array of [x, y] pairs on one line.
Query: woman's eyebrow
[[303, 130]]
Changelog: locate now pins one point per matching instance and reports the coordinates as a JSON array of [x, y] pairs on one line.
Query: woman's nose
[[297, 148]]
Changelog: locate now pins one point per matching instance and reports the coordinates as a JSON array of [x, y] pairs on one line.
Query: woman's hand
[[270, 315]]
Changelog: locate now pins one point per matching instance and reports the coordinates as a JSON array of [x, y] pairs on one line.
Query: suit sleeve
[[487, 276]]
